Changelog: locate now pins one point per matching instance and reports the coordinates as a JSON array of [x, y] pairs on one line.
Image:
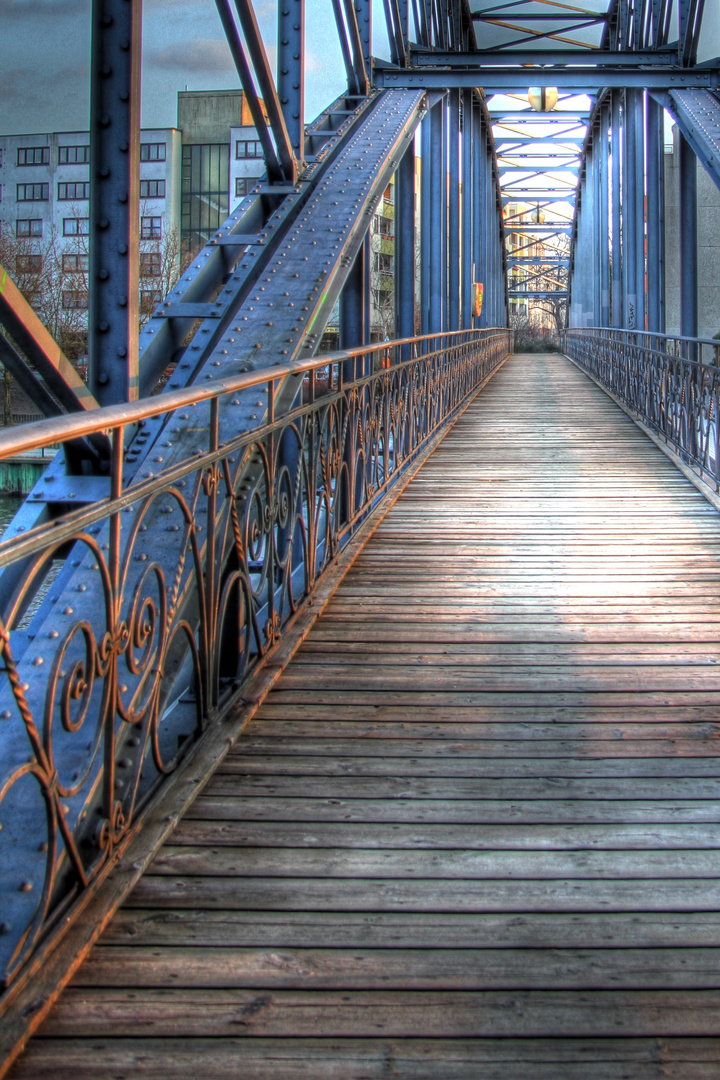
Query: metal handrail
[[57, 429], [164, 596]]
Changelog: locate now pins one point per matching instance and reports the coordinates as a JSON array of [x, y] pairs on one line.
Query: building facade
[[190, 176]]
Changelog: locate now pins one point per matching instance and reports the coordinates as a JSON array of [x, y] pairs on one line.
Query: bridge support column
[[639, 205], [114, 201], [688, 240], [467, 230], [405, 247], [604, 245], [354, 319], [483, 218], [438, 217], [477, 204], [290, 74], [655, 173], [453, 316], [629, 223], [425, 184], [597, 225], [615, 215]]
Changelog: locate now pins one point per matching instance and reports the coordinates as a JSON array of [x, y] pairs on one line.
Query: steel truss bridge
[[472, 828]]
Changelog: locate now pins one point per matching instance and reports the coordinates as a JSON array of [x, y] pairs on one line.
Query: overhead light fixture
[[543, 98]]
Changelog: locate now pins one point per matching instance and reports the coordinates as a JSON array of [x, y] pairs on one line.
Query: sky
[[45, 51]]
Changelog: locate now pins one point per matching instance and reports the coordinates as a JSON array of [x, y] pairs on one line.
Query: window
[[151, 228], [76, 226], [28, 227], [150, 264], [152, 151], [74, 300], [243, 184], [75, 264], [245, 148], [148, 301], [33, 192], [28, 264], [68, 192], [73, 155], [205, 193], [152, 189], [33, 155]]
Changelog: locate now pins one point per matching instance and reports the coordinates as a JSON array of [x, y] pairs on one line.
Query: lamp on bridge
[[543, 98]]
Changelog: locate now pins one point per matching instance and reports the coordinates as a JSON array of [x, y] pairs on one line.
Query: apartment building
[[190, 176]]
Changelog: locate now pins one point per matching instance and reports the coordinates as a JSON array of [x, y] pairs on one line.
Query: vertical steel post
[[453, 320], [425, 186], [290, 75], [655, 172], [438, 217], [484, 230], [604, 220], [405, 245], [476, 207], [466, 234], [443, 176], [639, 206], [597, 227], [615, 216], [630, 184], [114, 241], [688, 240], [353, 328], [363, 13]]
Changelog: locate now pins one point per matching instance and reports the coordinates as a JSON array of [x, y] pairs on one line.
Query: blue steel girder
[[697, 113]]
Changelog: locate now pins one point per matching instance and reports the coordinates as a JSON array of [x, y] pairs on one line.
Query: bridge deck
[[474, 830]]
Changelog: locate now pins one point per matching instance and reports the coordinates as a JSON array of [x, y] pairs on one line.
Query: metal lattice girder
[[518, 58], [698, 116], [494, 80]]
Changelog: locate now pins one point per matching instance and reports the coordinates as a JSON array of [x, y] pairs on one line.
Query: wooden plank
[[401, 969], [535, 838], [484, 1014], [370, 1058], [483, 766], [428, 894], [200, 927], [445, 864], [450, 811]]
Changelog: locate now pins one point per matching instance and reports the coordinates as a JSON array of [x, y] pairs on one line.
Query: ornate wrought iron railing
[[672, 384], [141, 616]]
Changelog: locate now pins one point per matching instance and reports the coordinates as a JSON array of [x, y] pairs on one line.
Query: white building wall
[[244, 170]]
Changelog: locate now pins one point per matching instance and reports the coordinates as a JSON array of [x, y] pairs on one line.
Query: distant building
[[189, 178]]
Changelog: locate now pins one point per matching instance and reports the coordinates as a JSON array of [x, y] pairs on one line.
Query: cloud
[[41, 9], [210, 55]]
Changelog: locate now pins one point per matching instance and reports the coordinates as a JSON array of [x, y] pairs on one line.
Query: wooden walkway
[[474, 833]]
